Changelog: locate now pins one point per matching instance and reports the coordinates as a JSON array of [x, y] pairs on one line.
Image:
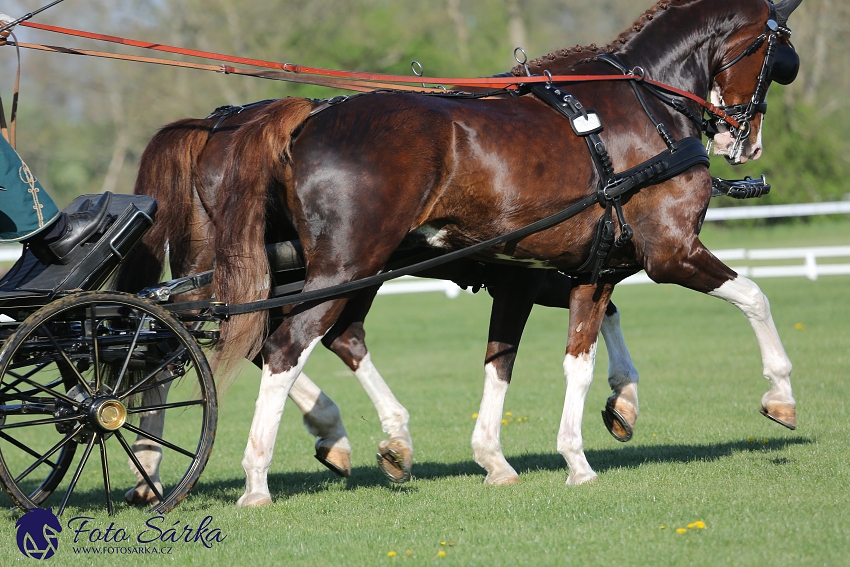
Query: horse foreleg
[[587, 308], [621, 409], [285, 353], [778, 403], [513, 294], [347, 339], [700, 270], [324, 421], [148, 452]]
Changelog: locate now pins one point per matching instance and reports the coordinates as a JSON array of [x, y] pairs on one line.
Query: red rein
[[339, 79]]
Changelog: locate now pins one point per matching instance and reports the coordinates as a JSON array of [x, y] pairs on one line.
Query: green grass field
[[701, 451]]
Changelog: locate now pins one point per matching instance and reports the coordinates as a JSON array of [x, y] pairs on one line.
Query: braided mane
[[569, 55]]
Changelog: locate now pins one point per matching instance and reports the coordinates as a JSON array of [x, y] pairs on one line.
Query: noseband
[[780, 65]]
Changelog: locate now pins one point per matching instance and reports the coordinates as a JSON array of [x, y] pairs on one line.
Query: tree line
[[83, 122]]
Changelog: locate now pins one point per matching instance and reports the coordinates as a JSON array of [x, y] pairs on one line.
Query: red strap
[[490, 82]]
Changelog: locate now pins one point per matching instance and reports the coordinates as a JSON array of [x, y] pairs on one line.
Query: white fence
[[809, 268]]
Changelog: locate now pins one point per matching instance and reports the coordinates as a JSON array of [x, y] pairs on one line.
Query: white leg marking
[[578, 371], [321, 415], [394, 417], [486, 445], [622, 374], [267, 413], [149, 453], [746, 296]]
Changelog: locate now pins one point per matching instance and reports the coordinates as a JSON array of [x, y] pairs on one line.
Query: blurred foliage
[[83, 122]]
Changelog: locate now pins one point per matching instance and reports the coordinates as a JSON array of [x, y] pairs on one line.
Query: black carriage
[[82, 370]]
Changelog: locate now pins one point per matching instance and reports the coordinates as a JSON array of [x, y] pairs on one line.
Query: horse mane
[[567, 56]]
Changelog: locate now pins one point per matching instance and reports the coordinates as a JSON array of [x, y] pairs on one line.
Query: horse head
[[758, 53]]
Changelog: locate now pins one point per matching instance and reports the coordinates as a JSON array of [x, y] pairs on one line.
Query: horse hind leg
[[621, 409], [148, 452], [323, 420], [514, 291], [285, 353], [347, 339]]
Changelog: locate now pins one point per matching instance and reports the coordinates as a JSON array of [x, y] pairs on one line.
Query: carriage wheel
[[93, 369]]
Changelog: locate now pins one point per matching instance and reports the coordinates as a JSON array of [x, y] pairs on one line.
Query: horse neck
[[681, 44]]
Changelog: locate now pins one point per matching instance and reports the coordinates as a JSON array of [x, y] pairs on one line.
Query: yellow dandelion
[[691, 526], [751, 439], [442, 543], [409, 552], [799, 326], [509, 414], [441, 553], [765, 441], [475, 416], [504, 422], [699, 524], [681, 530], [663, 527], [391, 554]]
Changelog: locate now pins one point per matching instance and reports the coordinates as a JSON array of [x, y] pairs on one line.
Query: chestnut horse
[[360, 177], [181, 168]]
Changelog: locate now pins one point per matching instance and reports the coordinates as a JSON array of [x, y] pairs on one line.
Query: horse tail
[[165, 173], [257, 160]]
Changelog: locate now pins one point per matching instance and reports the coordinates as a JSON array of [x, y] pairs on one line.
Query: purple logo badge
[[38, 533]]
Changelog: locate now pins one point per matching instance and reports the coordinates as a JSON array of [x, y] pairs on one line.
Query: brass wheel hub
[[108, 413]]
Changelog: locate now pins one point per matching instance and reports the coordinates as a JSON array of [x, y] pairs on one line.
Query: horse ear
[[784, 9]]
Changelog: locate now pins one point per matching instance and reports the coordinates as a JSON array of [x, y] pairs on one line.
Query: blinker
[[786, 64]]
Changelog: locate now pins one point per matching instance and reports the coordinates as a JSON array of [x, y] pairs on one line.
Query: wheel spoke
[[77, 474], [165, 406], [130, 350], [47, 390], [138, 465], [47, 421], [68, 362], [162, 442], [105, 468], [95, 349], [12, 385], [138, 385], [43, 458]]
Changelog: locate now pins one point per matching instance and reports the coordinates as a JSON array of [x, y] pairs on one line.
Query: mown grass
[[701, 451]]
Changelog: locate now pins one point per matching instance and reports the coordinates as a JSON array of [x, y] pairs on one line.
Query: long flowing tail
[[165, 173], [258, 158]]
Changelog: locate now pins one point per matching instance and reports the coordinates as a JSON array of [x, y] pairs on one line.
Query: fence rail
[[810, 268]]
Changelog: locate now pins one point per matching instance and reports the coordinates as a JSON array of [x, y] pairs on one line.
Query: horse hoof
[[253, 501], [142, 497], [395, 460], [585, 478], [783, 414], [616, 422], [336, 460], [503, 481]]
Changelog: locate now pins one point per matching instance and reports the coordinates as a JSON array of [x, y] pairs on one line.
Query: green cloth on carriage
[[25, 207]]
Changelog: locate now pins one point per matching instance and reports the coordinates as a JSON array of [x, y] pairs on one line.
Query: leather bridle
[[780, 65]]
